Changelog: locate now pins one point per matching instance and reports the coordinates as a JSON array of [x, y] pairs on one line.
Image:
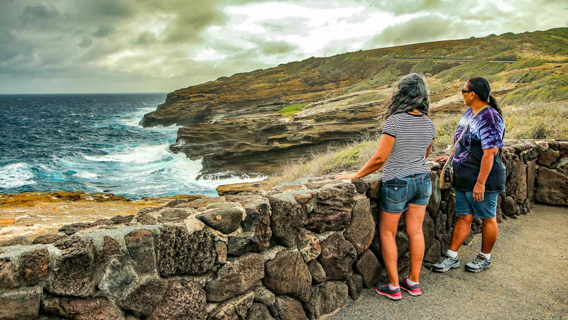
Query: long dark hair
[[481, 87], [410, 94]]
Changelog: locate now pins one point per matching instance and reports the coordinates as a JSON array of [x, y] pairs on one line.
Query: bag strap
[[462, 134]]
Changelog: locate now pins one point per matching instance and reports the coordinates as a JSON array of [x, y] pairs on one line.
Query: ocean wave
[[136, 155], [16, 175], [86, 175]]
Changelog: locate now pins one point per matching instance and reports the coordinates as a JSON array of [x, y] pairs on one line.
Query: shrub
[[291, 109]]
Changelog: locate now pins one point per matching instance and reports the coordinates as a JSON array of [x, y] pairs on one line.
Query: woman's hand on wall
[[345, 176]]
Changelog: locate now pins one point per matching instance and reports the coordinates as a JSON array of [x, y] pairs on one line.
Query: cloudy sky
[[161, 45]]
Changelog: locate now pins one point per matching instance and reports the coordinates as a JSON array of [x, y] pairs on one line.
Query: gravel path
[[528, 279]]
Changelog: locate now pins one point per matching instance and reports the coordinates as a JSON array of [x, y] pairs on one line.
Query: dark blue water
[[92, 143]]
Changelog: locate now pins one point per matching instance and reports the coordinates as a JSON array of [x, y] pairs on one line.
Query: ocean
[[93, 143]]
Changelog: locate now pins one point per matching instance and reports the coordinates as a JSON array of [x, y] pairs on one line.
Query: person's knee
[[489, 221], [387, 233], [468, 218]]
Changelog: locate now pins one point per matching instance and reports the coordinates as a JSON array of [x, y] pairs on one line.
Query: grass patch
[[526, 63], [360, 86], [291, 109], [528, 76], [445, 128], [533, 121], [273, 80], [551, 88], [426, 65], [471, 69], [369, 97], [387, 75], [436, 87]]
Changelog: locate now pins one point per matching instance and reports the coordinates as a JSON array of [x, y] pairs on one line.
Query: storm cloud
[[159, 46]]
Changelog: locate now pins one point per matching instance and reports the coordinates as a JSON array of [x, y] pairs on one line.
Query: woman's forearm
[[486, 166], [372, 165]]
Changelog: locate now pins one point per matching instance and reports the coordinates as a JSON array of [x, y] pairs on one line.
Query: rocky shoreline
[[299, 250]]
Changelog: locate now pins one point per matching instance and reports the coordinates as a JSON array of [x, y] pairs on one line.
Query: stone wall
[[300, 250]]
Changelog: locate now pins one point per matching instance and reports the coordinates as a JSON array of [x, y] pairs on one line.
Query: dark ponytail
[[480, 86]]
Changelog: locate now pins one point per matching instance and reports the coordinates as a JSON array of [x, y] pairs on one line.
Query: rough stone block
[[8, 274], [287, 218], [34, 265], [368, 266], [287, 273], [180, 252], [326, 299], [98, 308], [317, 272], [74, 269], [235, 277], [19, 304], [361, 230], [183, 299], [551, 187], [140, 245], [145, 296], [288, 308], [337, 257], [259, 311], [234, 309]]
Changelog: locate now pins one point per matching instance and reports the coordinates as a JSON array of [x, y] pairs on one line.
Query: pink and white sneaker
[[413, 290], [384, 290]]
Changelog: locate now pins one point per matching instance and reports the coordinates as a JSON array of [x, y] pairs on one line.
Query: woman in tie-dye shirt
[[479, 174]]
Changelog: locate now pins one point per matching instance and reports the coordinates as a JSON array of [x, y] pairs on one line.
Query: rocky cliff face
[[242, 124], [299, 250]]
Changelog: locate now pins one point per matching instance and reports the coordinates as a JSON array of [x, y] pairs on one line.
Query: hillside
[[255, 122]]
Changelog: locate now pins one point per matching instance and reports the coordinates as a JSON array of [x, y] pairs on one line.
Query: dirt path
[[528, 279]]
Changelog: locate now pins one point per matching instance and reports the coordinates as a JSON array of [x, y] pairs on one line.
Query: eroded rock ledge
[[298, 251]]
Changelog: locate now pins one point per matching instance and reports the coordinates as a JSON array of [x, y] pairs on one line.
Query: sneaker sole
[[387, 295], [410, 292], [453, 266]]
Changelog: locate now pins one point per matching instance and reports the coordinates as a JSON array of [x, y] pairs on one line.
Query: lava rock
[[288, 274], [235, 277], [337, 257]]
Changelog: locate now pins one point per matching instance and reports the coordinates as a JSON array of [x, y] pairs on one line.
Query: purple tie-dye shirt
[[485, 131]]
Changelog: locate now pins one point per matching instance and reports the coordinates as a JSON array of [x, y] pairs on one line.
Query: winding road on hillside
[[527, 281]]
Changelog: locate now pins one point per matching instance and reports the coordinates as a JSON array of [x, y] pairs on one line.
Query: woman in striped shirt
[[408, 136]]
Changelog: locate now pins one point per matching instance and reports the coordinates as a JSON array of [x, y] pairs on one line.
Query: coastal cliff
[[253, 123]]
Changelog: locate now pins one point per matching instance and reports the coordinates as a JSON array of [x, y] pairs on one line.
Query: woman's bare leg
[[388, 225], [461, 231], [414, 217], [489, 236]]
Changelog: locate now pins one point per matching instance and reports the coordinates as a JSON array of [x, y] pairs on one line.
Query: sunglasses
[[464, 91]]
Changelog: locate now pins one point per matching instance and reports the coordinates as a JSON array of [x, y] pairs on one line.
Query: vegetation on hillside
[[291, 109], [529, 121]]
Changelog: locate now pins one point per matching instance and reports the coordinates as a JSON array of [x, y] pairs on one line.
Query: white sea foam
[[137, 155], [16, 175], [86, 175]]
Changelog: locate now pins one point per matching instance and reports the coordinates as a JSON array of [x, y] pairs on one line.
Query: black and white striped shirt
[[413, 134]]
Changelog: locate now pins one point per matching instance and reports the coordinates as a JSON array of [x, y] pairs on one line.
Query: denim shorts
[[397, 193], [485, 209]]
